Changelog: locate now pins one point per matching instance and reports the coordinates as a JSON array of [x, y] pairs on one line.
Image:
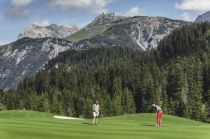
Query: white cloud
[[94, 6], [186, 16], [135, 11], [194, 5], [43, 23], [21, 3], [19, 8]]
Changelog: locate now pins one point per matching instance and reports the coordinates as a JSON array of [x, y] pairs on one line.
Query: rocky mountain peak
[[53, 30], [108, 17]]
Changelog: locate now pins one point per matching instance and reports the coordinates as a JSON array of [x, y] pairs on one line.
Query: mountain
[[203, 18], [53, 30], [35, 46], [26, 56], [100, 24], [113, 30]]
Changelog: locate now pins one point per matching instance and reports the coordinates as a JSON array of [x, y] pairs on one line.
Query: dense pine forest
[[176, 76]]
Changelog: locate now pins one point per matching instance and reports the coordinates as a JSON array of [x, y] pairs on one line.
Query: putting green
[[36, 125]]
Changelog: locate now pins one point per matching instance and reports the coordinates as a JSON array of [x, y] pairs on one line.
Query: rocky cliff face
[[27, 56], [35, 31]]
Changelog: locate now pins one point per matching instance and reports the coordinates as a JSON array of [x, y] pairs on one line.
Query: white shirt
[[158, 108], [96, 107]]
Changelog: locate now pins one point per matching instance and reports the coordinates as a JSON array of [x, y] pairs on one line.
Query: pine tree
[[107, 106], [128, 103], [117, 105], [68, 103], [43, 104], [195, 101], [147, 90]]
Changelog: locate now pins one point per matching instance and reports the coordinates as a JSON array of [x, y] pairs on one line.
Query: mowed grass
[[36, 125]]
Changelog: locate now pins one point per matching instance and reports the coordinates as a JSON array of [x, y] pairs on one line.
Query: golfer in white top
[[96, 109], [159, 114]]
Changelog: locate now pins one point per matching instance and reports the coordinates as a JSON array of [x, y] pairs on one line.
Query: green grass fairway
[[36, 125]]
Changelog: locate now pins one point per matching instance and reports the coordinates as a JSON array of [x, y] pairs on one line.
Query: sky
[[15, 15]]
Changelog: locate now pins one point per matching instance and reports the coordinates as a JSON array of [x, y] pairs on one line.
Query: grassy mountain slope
[[36, 125], [98, 26]]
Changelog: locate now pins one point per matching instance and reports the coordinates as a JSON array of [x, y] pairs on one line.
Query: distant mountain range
[[36, 45], [59, 31]]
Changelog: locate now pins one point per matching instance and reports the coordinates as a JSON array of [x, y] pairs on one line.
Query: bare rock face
[[58, 31], [26, 56]]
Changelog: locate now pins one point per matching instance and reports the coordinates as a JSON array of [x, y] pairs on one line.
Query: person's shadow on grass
[[149, 124], [87, 123]]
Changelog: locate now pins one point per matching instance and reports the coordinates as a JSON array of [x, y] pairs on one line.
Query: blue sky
[[15, 15]]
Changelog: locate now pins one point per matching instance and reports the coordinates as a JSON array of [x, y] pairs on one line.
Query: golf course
[[37, 125]]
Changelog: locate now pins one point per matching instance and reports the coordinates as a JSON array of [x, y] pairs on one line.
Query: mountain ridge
[[139, 31], [53, 30]]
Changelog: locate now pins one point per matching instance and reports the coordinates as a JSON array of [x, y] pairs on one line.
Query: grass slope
[[36, 125], [87, 34]]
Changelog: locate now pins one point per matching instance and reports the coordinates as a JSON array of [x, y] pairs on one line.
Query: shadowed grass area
[[36, 125]]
